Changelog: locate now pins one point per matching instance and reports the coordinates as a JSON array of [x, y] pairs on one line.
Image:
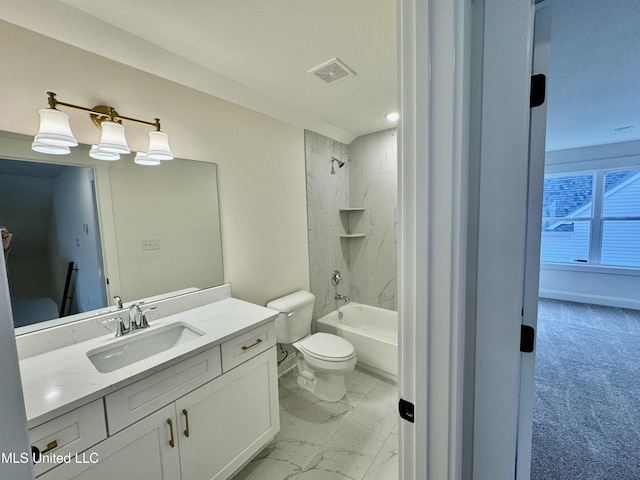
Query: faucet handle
[[120, 329], [143, 318]]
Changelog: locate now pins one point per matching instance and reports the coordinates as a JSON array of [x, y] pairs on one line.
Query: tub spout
[[342, 297]]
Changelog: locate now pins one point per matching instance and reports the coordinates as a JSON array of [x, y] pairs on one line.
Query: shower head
[[340, 164]]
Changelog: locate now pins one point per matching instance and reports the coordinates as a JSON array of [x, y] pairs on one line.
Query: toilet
[[322, 358]]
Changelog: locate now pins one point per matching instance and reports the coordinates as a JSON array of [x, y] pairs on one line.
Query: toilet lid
[[326, 345]]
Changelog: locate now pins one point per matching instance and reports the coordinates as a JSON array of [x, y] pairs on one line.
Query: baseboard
[[605, 300]]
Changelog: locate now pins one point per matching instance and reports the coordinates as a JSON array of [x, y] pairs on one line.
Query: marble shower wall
[[326, 194], [368, 180], [373, 185]]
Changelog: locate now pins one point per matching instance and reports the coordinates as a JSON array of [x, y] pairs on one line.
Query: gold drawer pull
[[171, 442], [186, 419], [247, 347], [50, 446]]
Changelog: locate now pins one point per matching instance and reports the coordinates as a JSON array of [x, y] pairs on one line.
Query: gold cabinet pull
[[247, 347], [186, 419], [171, 441], [50, 446]]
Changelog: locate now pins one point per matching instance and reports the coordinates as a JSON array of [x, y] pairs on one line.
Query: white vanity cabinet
[[157, 430], [140, 452], [229, 419]]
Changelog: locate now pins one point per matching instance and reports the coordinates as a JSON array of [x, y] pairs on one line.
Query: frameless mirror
[[54, 252], [85, 230]]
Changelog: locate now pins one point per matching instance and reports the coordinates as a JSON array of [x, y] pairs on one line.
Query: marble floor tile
[[385, 465], [355, 438], [378, 412], [338, 464]]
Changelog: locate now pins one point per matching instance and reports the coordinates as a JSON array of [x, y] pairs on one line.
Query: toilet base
[[329, 387]]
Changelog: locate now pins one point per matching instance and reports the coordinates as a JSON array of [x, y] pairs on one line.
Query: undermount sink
[[140, 345]]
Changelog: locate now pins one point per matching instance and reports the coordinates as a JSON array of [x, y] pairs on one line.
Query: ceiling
[[257, 53], [594, 73]]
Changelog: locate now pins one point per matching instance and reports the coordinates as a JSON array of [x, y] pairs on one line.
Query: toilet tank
[[296, 311]]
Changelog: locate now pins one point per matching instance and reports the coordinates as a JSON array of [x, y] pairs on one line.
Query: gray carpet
[[586, 421]]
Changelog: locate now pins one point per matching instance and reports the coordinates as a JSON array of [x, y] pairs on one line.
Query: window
[[592, 218]]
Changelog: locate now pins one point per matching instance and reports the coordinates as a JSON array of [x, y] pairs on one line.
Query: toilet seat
[[326, 347]]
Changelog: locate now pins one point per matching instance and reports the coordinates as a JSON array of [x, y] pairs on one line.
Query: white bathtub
[[372, 331]]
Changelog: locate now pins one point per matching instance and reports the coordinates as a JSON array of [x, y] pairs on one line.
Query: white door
[[541, 50], [460, 328]]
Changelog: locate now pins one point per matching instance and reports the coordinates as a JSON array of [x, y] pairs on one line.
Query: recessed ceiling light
[[393, 116], [623, 129]]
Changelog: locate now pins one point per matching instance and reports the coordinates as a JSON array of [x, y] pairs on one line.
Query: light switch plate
[[151, 244]]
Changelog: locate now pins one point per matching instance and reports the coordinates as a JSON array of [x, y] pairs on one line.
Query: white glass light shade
[[143, 159], [102, 154], [55, 129], [393, 116], [159, 146], [50, 149], [113, 139]]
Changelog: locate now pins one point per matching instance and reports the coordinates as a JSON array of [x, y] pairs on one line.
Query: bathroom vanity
[[192, 396]]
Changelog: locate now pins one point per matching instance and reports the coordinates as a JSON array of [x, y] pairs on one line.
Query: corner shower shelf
[[347, 211]]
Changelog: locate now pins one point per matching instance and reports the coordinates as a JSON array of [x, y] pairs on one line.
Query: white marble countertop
[[61, 380]]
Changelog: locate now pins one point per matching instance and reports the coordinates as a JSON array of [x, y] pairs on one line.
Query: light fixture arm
[[55, 135], [99, 111]]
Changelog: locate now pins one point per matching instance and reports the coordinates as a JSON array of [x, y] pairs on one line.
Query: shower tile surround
[[355, 438], [368, 180]]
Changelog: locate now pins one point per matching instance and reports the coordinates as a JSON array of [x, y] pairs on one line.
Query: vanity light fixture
[[144, 159], [55, 136]]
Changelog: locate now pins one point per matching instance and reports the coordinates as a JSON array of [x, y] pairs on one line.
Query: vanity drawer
[[68, 434], [248, 345], [139, 399]]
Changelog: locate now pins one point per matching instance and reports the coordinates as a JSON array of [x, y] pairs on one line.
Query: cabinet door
[[229, 419], [140, 452]]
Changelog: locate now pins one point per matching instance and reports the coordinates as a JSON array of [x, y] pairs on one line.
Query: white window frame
[[596, 219]]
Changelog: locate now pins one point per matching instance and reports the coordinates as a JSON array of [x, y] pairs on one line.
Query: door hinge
[[527, 338], [406, 410], [538, 90]]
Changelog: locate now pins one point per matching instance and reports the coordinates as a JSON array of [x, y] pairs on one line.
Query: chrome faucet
[[118, 301], [342, 297], [137, 320], [135, 317]]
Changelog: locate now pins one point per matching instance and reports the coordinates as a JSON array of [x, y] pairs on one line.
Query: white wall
[[616, 287], [261, 171], [74, 240], [25, 209]]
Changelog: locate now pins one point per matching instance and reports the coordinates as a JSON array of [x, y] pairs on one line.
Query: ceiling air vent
[[332, 71]]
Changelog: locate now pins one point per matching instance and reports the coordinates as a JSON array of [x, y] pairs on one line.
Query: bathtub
[[373, 332]]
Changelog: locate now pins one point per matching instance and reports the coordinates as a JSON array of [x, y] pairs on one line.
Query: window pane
[[621, 243], [622, 194], [565, 242], [567, 197]]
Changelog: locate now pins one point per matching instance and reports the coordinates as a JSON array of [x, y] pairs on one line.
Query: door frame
[[464, 76]]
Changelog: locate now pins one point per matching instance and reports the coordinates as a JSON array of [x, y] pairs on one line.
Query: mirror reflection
[[53, 251], [130, 230]]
